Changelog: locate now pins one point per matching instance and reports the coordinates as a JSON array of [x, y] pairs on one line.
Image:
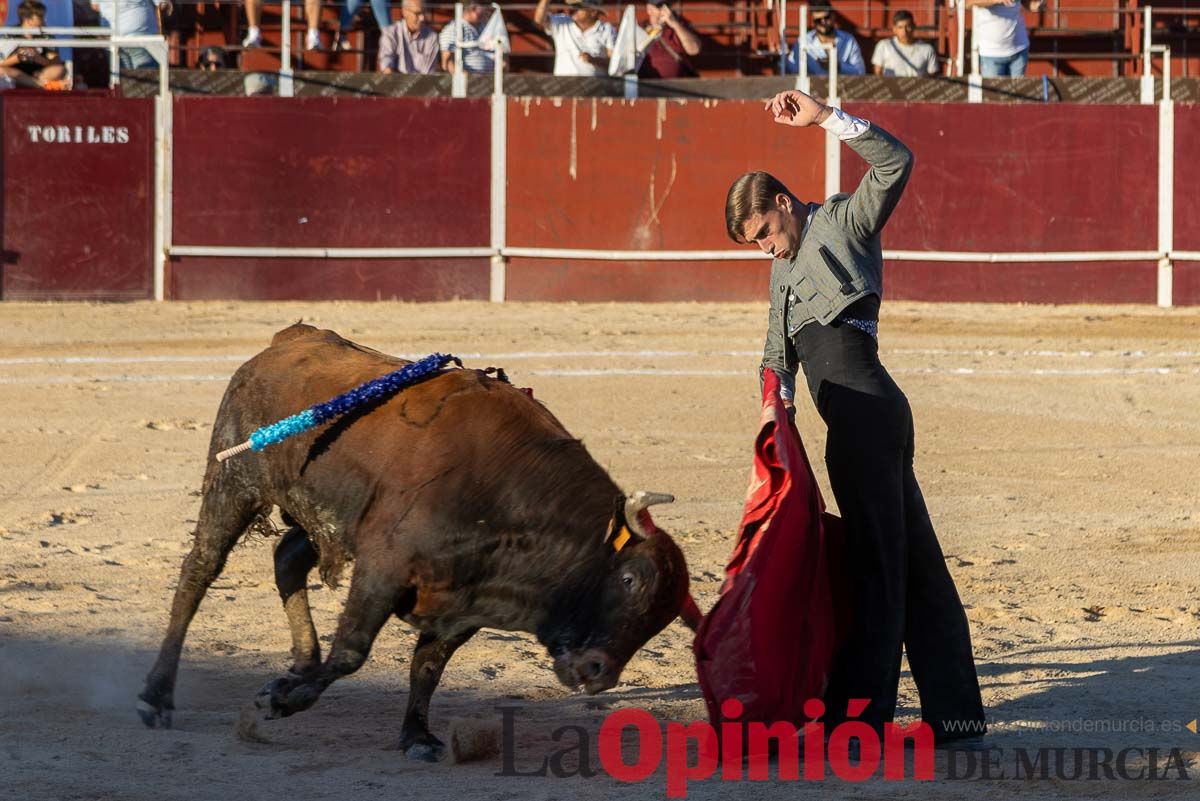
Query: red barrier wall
[[644, 175], [1021, 178], [582, 173], [1027, 282], [320, 279], [649, 281], [1186, 283], [330, 172], [77, 214]]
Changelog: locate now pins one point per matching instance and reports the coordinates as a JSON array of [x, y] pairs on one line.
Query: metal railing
[[943, 25]]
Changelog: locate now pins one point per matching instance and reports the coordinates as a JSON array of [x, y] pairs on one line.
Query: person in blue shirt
[[822, 33]]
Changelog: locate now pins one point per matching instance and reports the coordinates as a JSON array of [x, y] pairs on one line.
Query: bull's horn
[[639, 501]]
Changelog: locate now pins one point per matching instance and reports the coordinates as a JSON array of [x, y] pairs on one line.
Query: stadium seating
[[1069, 37]]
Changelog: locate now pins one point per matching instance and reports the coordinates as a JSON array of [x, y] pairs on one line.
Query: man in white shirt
[[583, 43], [902, 55], [999, 31], [824, 32]]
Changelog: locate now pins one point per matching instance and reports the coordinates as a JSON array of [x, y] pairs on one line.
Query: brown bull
[[462, 503]]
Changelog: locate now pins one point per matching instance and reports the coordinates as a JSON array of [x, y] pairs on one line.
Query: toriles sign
[[78, 134]]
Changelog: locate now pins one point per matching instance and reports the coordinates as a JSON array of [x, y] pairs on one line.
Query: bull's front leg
[[230, 503], [371, 601], [429, 660]]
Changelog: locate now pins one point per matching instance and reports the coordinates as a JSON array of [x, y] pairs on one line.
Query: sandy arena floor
[[1058, 449]]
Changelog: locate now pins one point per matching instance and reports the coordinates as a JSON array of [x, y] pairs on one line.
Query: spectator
[[672, 42], [824, 32], [133, 18], [1000, 34], [409, 45], [32, 67], [583, 42], [383, 18], [903, 55], [474, 16], [211, 59], [312, 16]]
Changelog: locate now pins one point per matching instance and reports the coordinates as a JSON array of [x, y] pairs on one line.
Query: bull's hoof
[[286, 696], [153, 716], [431, 750], [267, 699]]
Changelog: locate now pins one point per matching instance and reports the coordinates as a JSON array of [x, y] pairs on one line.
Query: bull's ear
[[619, 535]]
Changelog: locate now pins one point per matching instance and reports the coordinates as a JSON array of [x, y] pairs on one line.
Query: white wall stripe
[[17, 361], [635, 372]]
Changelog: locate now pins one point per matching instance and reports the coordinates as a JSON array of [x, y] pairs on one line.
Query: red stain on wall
[[642, 175]]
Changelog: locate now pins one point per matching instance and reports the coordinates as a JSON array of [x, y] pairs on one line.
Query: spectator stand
[[739, 37]]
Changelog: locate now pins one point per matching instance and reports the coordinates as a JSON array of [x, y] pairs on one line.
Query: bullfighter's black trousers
[[900, 591]]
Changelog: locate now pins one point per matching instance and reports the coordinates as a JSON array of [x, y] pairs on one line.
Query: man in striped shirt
[[474, 15]]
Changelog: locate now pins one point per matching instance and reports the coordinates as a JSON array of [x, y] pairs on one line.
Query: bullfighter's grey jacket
[[840, 258]]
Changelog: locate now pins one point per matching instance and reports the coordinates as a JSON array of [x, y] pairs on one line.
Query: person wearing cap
[[824, 32], [825, 292], [902, 55], [583, 42], [475, 59], [409, 46], [672, 44]]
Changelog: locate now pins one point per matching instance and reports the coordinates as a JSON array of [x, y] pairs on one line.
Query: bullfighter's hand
[[797, 109]]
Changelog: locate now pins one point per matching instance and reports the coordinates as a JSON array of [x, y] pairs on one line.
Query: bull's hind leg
[[295, 556], [226, 511], [370, 603], [429, 660]]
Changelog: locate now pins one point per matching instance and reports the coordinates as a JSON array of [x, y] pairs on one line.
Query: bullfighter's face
[[644, 591], [777, 230]]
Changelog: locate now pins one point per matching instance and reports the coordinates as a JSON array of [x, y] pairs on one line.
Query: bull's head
[[644, 588]]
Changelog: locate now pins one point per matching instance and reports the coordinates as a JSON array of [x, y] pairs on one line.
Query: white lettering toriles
[[78, 134]]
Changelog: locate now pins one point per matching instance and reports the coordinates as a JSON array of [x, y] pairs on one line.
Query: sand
[[1058, 450]]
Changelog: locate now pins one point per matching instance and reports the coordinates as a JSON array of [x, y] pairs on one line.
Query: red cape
[[769, 640]]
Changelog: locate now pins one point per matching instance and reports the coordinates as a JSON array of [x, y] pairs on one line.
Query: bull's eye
[[627, 580]]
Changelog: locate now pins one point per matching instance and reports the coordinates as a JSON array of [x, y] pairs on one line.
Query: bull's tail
[[690, 614]]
